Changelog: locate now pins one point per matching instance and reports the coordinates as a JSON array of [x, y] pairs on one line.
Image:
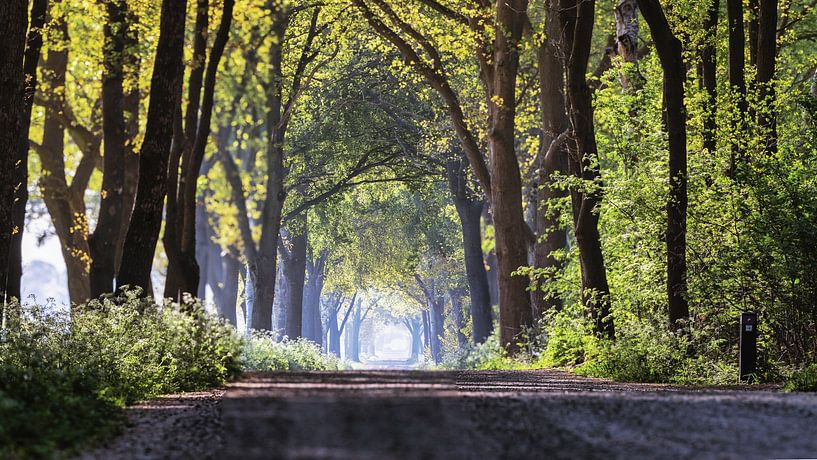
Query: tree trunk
[[294, 269], [228, 294], [65, 206], [275, 194], [353, 333], [469, 209], [104, 242], [551, 236], [31, 58], [14, 18], [316, 274], [766, 62], [577, 23], [737, 80], [506, 182], [415, 329], [627, 43], [670, 52], [459, 319], [426, 330], [709, 77], [165, 92]]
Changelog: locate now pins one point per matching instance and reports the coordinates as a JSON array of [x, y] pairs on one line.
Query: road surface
[[405, 414], [380, 414]]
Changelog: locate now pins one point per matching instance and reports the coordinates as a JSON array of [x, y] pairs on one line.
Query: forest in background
[[517, 183]]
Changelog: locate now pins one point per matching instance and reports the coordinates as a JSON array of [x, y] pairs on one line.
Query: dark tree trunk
[[506, 183], [551, 236], [577, 24], [316, 273], [469, 209], [670, 52], [104, 242], [274, 202], [31, 58], [294, 269], [459, 318], [165, 92], [766, 61], [14, 20], [737, 80], [709, 77], [197, 132]]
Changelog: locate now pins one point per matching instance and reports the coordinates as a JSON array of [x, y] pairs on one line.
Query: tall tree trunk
[[353, 333], [469, 209], [506, 182], [737, 81], [766, 62], [65, 206], [14, 17], [577, 24], [670, 52], [294, 265], [104, 242], [551, 235], [316, 273], [709, 77], [31, 58], [274, 202], [228, 294], [415, 329], [165, 92], [459, 318]]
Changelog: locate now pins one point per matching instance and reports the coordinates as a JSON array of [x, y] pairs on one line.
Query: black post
[[748, 345]]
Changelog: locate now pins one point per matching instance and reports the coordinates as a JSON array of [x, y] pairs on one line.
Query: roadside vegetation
[[64, 379]]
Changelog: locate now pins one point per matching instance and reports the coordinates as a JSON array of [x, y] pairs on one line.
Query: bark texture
[[469, 210], [14, 20], [577, 25], [165, 91], [670, 52]]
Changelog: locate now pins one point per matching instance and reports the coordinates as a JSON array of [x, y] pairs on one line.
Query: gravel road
[[381, 414]]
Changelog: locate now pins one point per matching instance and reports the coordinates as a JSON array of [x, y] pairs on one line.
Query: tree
[[31, 58], [165, 91], [14, 16], [498, 59], [576, 18], [670, 52], [180, 225]]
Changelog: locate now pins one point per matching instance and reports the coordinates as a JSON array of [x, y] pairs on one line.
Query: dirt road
[[483, 415], [402, 414]]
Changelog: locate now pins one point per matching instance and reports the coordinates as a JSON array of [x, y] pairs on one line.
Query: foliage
[[262, 352], [803, 380], [64, 379]]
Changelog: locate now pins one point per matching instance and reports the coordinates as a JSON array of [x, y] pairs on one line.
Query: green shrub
[[262, 352], [64, 378], [803, 380]]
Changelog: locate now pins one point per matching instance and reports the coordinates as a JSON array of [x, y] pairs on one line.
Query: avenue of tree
[[461, 168]]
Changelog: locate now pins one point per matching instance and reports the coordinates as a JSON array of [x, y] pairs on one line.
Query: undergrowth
[[262, 352], [65, 377]]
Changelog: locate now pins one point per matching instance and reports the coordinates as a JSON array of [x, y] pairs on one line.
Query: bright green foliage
[[64, 380], [261, 352]]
